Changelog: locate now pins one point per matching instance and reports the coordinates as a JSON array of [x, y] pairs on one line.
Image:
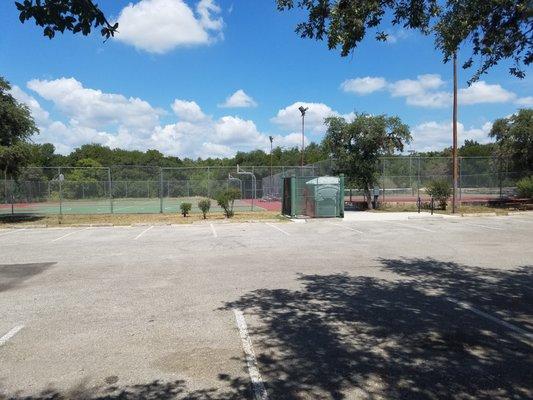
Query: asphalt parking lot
[[414, 309]]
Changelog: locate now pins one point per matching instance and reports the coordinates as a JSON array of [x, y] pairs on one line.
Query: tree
[[357, 146], [514, 138], [66, 15], [497, 29], [16, 128]]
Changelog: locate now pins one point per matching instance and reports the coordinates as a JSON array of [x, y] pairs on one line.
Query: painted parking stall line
[[348, 228], [278, 228], [525, 334], [4, 339], [258, 386], [213, 230], [70, 234], [415, 227], [143, 232], [12, 231], [483, 226]]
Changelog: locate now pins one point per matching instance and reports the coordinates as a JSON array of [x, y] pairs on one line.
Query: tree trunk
[[368, 195]]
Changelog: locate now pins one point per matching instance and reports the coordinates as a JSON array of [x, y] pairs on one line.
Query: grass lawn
[[464, 209], [128, 219]]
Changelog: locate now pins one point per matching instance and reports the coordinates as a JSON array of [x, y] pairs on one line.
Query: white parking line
[[279, 229], [69, 234], [418, 228], [348, 228], [143, 232], [258, 387], [10, 334], [514, 328], [484, 226], [213, 230], [12, 231]]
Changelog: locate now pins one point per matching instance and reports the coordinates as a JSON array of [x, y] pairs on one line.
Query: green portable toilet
[[322, 197]]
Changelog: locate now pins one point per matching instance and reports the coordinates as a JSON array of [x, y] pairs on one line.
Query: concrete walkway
[[390, 216]]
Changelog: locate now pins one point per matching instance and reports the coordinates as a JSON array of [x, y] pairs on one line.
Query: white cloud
[[482, 92], [525, 101], [159, 26], [394, 36], [214, 150], [187, 110], [290, 118], [365, 85], [116, 121], [427, 91], [239, 99], [418, 86], [94, 108], [433, 135], [40, 115], [231, 130]]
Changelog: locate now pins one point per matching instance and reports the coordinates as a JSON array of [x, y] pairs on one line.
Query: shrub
[[524, 187], [204, 206], [226, 199], [441, 191], [185, 208]]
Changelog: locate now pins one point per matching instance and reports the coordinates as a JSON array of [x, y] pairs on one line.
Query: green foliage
[[495, 30], [65, 15], [441, 191], [226, 200], [16, 128], [357, 146], [204, 205], [185, 208], [514, 137], [524, 187]]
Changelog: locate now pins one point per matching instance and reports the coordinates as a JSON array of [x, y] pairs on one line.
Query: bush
[[441, 191], [226, 199], [524, 187], [185, 208], [204, 206]]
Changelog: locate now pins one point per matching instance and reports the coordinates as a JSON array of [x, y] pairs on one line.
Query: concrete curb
[[431, 218], [489, 214]]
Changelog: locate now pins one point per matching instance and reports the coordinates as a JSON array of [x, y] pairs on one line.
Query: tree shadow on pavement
[[354, 337], [238, 389]]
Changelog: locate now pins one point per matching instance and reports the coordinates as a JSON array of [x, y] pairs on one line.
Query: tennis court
[[279, 311], [124, 206]]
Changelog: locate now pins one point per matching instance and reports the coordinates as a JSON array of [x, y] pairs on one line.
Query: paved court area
[[331, 309]]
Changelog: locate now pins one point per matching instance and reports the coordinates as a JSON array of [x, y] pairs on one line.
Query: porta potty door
[[326, 201]]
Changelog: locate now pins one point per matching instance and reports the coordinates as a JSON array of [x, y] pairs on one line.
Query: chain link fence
[[154, 189]]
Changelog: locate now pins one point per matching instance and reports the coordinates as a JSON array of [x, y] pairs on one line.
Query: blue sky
[[210, 77]]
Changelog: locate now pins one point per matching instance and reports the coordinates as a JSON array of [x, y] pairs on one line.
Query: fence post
[[460, 179], [110, 189], [208, 180], [500, 176], [341, 199], [383, 178], [60, 192], [160, 190], [418, 180]]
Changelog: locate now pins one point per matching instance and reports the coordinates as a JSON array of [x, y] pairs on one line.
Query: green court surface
[[119, 206]]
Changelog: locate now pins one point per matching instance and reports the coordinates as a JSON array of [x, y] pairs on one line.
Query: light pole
[[303, 111], [271, 138], [454, 128]]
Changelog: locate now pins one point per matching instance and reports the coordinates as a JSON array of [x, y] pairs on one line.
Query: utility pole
[[303, 111], [271, 174], [454, 128]]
